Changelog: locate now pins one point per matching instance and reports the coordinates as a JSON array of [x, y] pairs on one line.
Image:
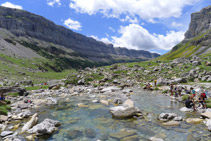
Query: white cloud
[[10, 5], [131, 20], [53, 2], [145, 9], [105, 40], [135, 36], [175, 24], [72, 24]]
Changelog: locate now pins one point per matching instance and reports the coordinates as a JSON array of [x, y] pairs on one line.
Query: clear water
[[98, 118]]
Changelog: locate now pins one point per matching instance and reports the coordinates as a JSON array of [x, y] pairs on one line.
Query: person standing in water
[[171, 89]]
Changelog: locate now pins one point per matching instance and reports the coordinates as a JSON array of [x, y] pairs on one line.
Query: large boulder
[[208, 123], [167, 116], [206, 115], [48, 126], [194, 120], [127, 110], [12, 89]]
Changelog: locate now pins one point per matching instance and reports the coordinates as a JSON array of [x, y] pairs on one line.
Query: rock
[[196, 63], [167, 116], [23, 106], [25, 114], [30, 138], [26, 82], [155, 139], [206, 115], [48, 126], [122, 134], [6, 133], [118, 101], [194, 120], [12, 89], [81, 105], [185, 109], [208, 123], [110, 89], [156, 69], [124, 112], [73, 134], [129, 103], [171, 123], [30, 123], [3, 118], [104, 102], [208, 63], [51, 101], [130, 138], [90, 133], [81, 82], [179, 118], [95, 101]]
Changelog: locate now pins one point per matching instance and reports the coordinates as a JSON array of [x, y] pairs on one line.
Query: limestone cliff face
[[200, 23], [25, 24]]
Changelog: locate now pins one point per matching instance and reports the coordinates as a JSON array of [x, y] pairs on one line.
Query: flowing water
[[95, 122]]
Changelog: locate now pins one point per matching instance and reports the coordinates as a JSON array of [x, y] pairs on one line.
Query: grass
[[4, 109], [208, 102], [36, 87], [13, 94]]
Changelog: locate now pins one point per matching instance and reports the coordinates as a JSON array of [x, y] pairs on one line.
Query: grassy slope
[[184, 49]]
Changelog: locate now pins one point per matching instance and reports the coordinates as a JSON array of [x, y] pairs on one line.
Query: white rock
[[185, 109], [30, 123], [155, 139]]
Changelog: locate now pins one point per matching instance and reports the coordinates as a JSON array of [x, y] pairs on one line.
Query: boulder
[[13, 89], [105, 102], [171, 123], [30, 123], [48, 126], [206, 115], [124, 112], [51, 101], [208, 124], [6, 133], [128, 103], [25, 114], [3, 118], [194, 120], [167, 116], [110, 89], [118, 101], [185, 109], [196, 63]]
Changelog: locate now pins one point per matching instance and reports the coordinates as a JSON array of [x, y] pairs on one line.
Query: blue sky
[[153, 25]]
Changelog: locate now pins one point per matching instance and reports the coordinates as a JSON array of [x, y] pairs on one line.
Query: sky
[[152, 25]]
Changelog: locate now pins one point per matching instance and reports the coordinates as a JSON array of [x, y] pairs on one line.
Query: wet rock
[[73, 134], [155, 139], [51, 101], [30, 138], [130, 138], [122, 134], [128, 103], [206, 115], [171, 123], [30, 123], [185, 109], [118, 101], [25, 114], [90, 133], [179, 118], [104, 102], [194, 120], [48, 126], [167, 116], [208, 124], [81, 105], [3, 118], [6, 133]]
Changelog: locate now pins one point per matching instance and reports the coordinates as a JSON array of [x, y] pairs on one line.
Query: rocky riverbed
[[101, 113]]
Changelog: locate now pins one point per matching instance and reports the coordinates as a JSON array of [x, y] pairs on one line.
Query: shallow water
[[97, 119]]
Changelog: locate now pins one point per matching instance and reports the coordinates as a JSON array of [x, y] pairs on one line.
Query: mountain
[[197, 38], [40, 37]]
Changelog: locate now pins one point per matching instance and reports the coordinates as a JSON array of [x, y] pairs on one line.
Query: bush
[[165, 91], [4, 109], [156, 89]]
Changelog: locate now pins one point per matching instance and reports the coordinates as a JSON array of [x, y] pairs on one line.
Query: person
[[189, 103], [2, 97], [155, 82], [179, 89], [176, 91], [193, 92], [171, 89], [202, 100]]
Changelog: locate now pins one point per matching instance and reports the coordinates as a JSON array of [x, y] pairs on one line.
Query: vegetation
[[4, 108], [13, 94], [36, 87]]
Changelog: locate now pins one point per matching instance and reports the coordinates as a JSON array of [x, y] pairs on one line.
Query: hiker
[[171, 89], [155, 82], [193, 92], [2, 97], [202, 100], [176, 91], [189, 103], [179, 88]]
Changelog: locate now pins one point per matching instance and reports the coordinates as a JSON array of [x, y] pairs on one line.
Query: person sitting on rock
[[189, 103]]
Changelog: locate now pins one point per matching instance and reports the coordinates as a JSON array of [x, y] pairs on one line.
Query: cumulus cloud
[[145, 9], [111, 28], [10, 5], [175, 24], [135, 36], [53, 2], [72, 24]]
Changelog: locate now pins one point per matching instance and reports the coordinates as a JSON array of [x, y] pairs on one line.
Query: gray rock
[[48, 126], [6, 133], [167, 116], [196, 63]]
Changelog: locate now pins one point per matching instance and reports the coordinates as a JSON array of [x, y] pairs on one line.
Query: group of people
[[148, 86], [191, 100]]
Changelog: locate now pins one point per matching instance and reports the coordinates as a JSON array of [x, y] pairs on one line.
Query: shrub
[[185, 97]]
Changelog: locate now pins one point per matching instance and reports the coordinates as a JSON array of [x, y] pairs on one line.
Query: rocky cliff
[[27, 25], [197, 38]]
